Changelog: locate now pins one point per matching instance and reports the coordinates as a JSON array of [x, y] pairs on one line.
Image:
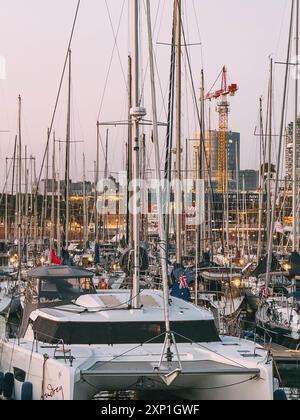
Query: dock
[[286, 365]]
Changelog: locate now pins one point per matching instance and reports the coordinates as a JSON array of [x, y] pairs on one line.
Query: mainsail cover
[[262, 266]]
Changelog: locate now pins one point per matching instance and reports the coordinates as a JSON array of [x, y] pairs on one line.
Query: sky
[[241, 34]]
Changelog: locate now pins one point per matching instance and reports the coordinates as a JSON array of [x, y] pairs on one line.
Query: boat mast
[[58, 234], [295, 141], [237, 198], [85, 218], [261, 180], [105, 220], [129, 221], [6, 202], [162, 231], [68, 146], [137, 112], [269, 194], [169, 135], [20, 192], [45, 208], [283, 113], [52, 234], [202, 166], [96, 169], [35, 234], [178, 135]]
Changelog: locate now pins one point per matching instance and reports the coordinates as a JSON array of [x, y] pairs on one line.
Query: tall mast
[[261, 180], [52, 233], [178, 135], [85, 227], [16, 181], [237, 198], [45, 198], [144, 227], [129, 222], [162, 232], [25, 222], [97, 169], [169, 135], [136, 113], [201, 174], [295, 141], [105, 220], [270, 234], [6, 202], [31, 198], [58, 199], [20, 192], [106, 155], [68, 146], [283, 114], [35, 233]]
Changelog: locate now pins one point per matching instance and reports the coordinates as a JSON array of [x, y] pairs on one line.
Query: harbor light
[[242, 261], [236, 283], [287, 267], [13, 260]]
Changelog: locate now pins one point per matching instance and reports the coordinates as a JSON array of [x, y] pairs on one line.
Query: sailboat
[[74, 342], [279, 311]]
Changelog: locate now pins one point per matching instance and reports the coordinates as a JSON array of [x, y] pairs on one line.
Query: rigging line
[[132, 349], [185, 18], [212, 388], [58, 96], [163, 96], [285, 9], [111, 61], [116, 43], [148, 60], [6, 184], [199, 33], [202, 140]]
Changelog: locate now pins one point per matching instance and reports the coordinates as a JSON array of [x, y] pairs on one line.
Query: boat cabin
[[54, 286]]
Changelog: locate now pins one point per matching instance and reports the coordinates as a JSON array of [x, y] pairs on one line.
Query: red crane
[[223, 110]]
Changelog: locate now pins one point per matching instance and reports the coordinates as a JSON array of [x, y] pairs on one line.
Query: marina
[[150, 246]]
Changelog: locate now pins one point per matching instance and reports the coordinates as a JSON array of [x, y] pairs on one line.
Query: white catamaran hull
[[205, 374]]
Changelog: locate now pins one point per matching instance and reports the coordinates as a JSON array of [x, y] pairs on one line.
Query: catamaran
[[74, 343]]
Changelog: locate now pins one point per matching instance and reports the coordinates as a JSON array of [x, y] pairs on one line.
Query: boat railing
[[265, 340], [66, 352]]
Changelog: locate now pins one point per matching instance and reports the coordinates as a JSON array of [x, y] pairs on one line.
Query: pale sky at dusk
[[34, 36]]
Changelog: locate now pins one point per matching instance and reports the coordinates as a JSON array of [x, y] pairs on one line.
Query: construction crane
[[223, 110]]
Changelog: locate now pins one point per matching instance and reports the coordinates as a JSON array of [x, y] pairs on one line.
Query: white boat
[[223, 287], [279, 310], [75, 343], [9, 296]]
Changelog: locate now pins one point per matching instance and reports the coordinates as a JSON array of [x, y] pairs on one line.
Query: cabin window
[[110, 333], [49, 292], [52, 290]]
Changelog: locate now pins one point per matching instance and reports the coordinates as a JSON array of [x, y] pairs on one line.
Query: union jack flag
[[183, 282]]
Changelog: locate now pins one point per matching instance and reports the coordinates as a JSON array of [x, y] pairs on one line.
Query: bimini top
[[59, 271]]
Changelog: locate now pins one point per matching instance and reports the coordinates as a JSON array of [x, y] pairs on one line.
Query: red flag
[[54, 258]]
